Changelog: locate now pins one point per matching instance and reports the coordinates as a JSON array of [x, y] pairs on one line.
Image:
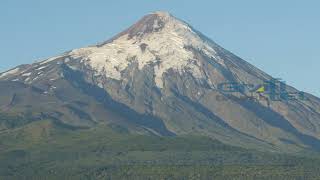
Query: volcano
[[162, 77]]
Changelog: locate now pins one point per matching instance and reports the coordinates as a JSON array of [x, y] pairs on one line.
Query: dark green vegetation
[[45, 149]]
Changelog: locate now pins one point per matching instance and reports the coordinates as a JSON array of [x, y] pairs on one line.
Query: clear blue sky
[[279, 36]]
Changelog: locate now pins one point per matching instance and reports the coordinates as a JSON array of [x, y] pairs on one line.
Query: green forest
[[45, 149]]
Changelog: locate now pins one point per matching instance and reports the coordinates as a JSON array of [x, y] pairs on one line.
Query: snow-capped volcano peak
[[116, 82], [159, 39], [150, 23]]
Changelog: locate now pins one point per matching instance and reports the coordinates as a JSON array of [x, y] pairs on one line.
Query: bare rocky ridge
[[160, 76]]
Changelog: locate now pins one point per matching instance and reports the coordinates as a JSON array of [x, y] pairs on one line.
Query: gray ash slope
[[160, 77]]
